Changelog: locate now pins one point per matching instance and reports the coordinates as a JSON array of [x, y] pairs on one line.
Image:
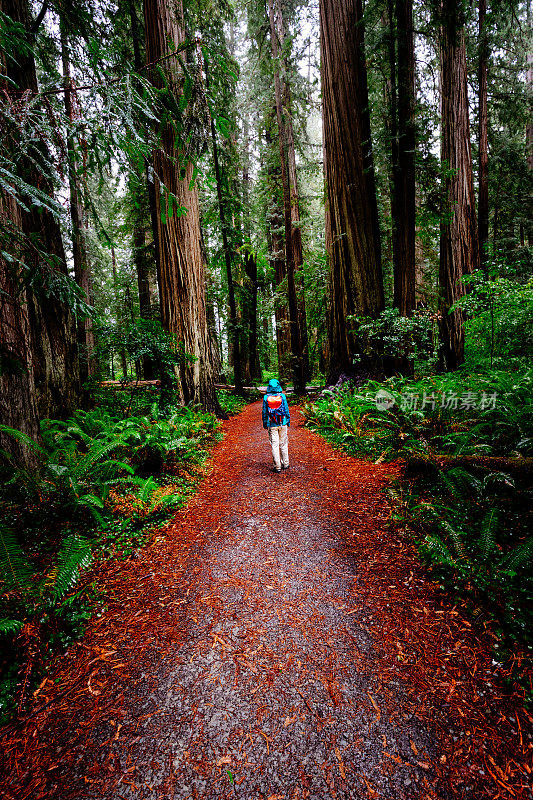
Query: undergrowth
[[230, 402], [466, 496], [104, 481]]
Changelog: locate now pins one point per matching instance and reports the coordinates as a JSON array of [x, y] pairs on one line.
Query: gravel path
[[251, 655]]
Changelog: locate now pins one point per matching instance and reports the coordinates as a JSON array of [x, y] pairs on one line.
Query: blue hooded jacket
[[274, 387]]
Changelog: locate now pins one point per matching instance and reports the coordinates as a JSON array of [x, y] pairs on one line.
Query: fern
[[96, 453], [489, 527], [23, 438], [520, 556], [10, 626], [456, 538], [435, 545], [147, 489], [459, 482], [14, 565], [74, 555]]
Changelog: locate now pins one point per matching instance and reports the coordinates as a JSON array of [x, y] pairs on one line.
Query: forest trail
[[278, 641]]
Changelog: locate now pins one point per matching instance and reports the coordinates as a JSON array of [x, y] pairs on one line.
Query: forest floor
[[277, 640]]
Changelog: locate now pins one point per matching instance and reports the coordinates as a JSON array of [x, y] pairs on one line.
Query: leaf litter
[[277, 639]]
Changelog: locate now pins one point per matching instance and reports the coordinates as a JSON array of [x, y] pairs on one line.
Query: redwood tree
[[483, 145], [177, 223], [352, 230], [43, 340], [293, 242], [402, 67], [82, 270], [459, 243], [276, 247]]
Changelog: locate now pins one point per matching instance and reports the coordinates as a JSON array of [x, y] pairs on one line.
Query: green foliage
[[95, 490], [454, 414], [499, 318], [393, 336], [37, 604], [471, 528], [143, 340], [230, 402]]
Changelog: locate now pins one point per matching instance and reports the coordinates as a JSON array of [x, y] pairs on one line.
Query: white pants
[[279, 441]]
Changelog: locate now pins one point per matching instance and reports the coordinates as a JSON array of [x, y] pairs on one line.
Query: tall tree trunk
[[403, 229], [250, 261], [51, 325], [459, 243], [298, 360], [352, 228], [483, 176], [276, 250], [142, 210], [18, 397], [529, 131], [296, 231], [250, 268], [222, 194], [182, 267], [119, 311], [82, 269]]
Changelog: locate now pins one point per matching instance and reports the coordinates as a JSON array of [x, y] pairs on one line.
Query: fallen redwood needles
[[271, 643]]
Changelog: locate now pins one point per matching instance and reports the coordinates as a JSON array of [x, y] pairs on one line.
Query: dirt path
[[277, 642]]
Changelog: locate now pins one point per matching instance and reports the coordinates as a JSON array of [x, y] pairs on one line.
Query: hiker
[[276, 419]]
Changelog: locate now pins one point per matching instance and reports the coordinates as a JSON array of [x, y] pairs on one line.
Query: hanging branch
[[88, 86]]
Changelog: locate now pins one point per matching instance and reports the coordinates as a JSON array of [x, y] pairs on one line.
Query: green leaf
[[14, 565]]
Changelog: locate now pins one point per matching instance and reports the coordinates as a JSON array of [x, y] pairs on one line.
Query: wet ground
[[277, 642]]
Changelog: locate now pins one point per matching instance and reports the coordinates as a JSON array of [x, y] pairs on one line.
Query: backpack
[[275, 409]]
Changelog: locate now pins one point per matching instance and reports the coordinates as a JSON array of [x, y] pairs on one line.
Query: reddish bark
[[48, 320], [459, 243], [483, 145], [182, 282], [352, 228]]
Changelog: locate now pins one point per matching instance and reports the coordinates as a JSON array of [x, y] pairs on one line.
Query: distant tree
[[459, 242], [483, 133], [80, 257], [293, 237], [402, 112]]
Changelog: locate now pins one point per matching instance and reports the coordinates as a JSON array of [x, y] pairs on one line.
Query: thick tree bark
[[82, 269], [352, 229], [298, 359], [50, 323], [459, 243], [182, 267], [18, 397], [483, 144]]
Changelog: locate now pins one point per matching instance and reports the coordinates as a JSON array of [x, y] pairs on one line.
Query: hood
[[274, 386]]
